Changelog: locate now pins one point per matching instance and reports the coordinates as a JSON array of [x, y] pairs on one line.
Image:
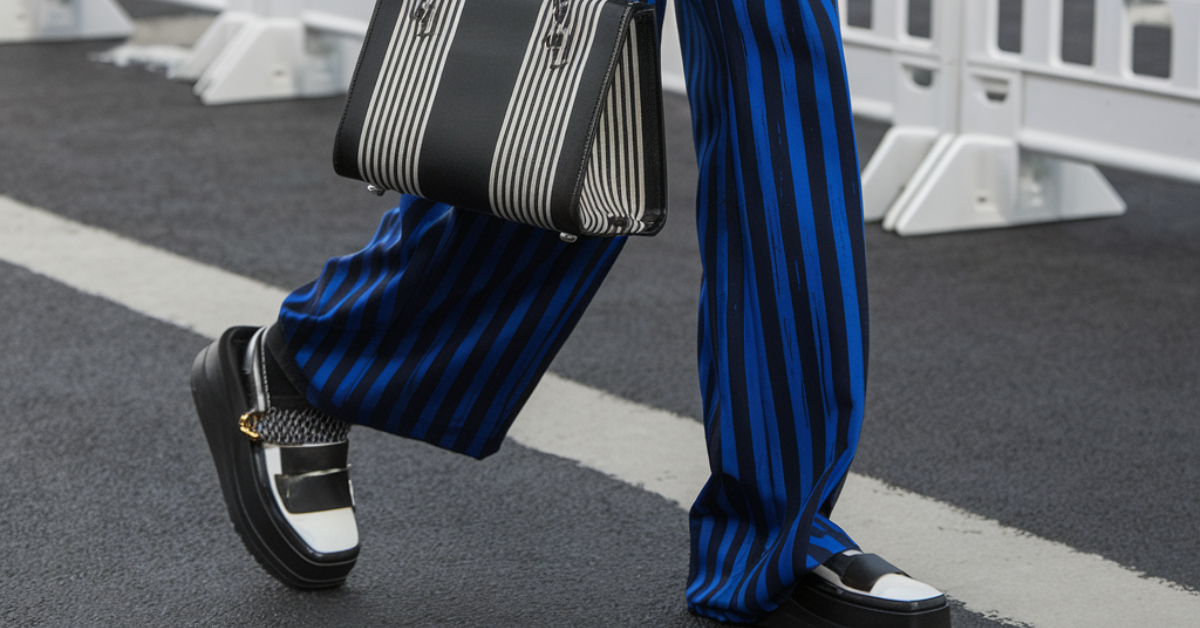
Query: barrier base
[[893, 165], [210, 45], [975, 181], [49, 20], [244, 57]]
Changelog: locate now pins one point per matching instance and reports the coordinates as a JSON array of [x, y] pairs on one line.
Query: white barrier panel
[[271, 49], [42, 20], [985, 137], [671, 57]]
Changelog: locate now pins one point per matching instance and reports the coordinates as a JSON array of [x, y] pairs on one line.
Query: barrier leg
[[976, 181], [1059, 189], [893, 166], [210, 45], [912, 187], [246, 57], [16, 21], [43, 20], [259, 63]]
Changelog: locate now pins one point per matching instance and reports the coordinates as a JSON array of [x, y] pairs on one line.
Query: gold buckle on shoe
[[248, 423]]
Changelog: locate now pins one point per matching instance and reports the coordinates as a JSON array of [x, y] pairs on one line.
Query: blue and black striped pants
[[440, 328]]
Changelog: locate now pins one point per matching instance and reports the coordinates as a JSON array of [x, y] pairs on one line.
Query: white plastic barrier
[[272, 49], [673, 78], [41, 20], [987, 138]]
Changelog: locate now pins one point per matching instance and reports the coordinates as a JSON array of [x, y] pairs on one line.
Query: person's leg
[[783, 324], [783, 339], [438, 330], [441, 326]]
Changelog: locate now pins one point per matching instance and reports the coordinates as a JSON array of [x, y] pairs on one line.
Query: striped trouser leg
[[783, 310], [439, 329]]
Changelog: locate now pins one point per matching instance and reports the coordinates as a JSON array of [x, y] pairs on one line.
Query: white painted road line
[[157, 283], [995, 570]]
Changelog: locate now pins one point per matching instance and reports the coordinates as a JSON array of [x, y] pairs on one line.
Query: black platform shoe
[[856, 590], [292, 504]]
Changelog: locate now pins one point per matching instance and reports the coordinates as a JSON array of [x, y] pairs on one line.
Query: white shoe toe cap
[[327, 531], [894, 586]]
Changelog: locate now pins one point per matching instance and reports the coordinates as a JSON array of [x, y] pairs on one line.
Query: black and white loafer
[[856, 590], [292, 505]]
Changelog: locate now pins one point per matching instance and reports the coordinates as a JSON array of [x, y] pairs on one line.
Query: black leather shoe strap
[[861, 571], [315, 492], [300, 459]]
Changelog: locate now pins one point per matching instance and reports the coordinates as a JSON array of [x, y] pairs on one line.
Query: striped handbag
[[544, 112]]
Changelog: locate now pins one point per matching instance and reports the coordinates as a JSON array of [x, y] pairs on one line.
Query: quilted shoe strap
[[279, 412]]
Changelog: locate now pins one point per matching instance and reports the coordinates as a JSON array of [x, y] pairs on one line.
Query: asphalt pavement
[[1046, 377]]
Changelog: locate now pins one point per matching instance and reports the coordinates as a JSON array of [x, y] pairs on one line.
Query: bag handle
[[558, 40], [423, 15]]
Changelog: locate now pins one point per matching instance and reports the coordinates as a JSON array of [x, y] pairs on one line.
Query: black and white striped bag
[[545, 112]]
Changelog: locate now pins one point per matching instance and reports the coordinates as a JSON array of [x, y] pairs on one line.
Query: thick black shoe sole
[[820, 607], [221, 399]]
